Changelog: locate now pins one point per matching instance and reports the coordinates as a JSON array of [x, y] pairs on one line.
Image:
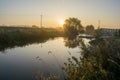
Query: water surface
[[22, 63]]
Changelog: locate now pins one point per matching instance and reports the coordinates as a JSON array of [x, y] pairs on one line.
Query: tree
[[34, 26], [90, 29], [119, 32], [72, 27]]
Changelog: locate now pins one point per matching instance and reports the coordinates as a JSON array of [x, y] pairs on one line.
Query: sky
[[27, 12]]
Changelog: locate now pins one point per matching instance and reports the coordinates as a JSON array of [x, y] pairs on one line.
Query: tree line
[[74, 27]]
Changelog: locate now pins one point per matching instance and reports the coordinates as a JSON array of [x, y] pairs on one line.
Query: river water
[[23, 63]]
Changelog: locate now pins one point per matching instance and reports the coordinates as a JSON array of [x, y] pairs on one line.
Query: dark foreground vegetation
[[100, 61], [20, 36]]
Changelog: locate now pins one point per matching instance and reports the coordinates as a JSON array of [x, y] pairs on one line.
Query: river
[[23, 63]]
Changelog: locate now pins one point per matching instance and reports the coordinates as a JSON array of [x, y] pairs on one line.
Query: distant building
[[109, 32]]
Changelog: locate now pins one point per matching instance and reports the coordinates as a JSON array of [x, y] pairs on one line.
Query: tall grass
[[100, 61], [40, 76]]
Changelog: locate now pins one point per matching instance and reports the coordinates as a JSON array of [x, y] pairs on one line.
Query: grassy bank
[[12, 36]]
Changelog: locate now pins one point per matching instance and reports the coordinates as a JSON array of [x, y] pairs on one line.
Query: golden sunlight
[[61, 22]]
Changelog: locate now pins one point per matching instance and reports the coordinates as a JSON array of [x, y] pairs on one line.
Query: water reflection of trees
[[72, 42], [4, 46]]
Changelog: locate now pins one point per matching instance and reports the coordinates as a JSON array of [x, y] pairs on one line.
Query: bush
[[100, 61]]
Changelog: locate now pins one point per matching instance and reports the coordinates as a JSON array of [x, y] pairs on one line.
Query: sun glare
[[61, 22]]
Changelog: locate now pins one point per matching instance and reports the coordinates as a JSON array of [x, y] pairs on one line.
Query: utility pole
[[41, 20], [99, 24]]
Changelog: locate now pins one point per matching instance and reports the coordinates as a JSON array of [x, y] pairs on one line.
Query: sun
[[61, 22]]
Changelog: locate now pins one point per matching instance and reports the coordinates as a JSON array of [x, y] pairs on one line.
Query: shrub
[[100, 61]]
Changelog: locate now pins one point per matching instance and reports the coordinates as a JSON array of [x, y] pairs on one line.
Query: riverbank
[[11, 36]]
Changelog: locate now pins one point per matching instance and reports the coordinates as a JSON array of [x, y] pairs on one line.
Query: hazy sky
[[27, 12]]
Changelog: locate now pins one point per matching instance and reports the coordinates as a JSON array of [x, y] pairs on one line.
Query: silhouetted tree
[[90, 29], [72, 27], [34, 26], [119, 32]]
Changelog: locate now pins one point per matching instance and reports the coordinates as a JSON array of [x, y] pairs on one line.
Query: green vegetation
[[90, 29], [20, 36], [40, 76], [100, 61], [73, 27]]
